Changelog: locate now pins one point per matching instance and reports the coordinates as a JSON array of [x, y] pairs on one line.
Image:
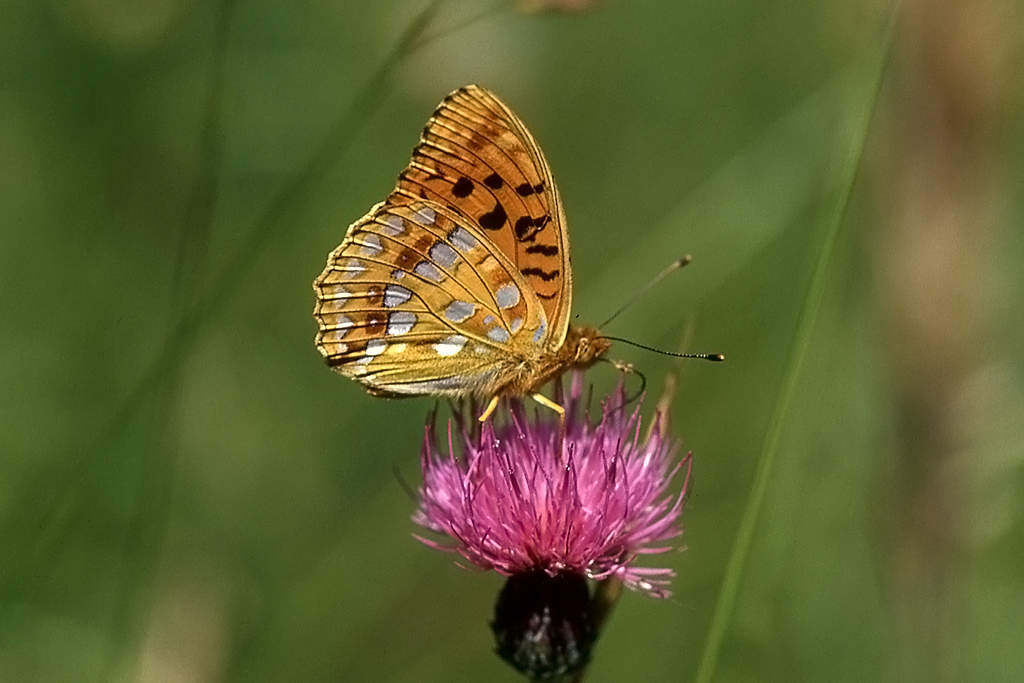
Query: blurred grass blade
[[194, 238], [859, 126], [145, 529], [46, 513], [340, 138], [745, 204]]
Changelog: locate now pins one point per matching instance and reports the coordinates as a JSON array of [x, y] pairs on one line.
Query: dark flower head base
[[522, 498], [545, 626]]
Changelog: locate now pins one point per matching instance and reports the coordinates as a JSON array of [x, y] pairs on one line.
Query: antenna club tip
[[683, 260], [717, 357]]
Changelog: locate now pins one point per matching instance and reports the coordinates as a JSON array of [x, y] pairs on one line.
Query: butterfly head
[[584, 346]]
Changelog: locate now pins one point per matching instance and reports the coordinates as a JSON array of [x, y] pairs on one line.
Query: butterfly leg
[[489, 409], [538, 397], [548, 403]]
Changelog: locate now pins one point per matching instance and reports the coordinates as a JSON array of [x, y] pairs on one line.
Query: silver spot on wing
[[393, 226], [424, 215], [507, 296], [374, 347], [396, 295], [459, 311], [541, 331], [369, 244], [498, 334], [400, 322], [351, 268], [443, 255], [333, 298], [461, 239], [342, 324], [428, 270], [455, 385], [449, 346]]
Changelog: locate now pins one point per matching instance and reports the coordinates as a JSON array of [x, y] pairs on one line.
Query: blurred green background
[[189, 494]]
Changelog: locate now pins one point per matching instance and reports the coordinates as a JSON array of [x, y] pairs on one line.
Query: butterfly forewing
[[476, 157], [417, 300]]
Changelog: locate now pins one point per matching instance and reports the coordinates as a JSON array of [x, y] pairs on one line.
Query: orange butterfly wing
[[476, 155], [459, 282]]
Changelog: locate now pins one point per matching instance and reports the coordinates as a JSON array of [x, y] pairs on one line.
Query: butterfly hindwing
[[459, 282], [417, 300]]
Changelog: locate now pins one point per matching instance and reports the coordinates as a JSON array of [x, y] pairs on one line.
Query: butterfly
[[459, 283]]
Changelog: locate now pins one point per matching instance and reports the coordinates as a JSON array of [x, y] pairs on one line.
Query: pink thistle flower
[[550, 509], [519, 500]]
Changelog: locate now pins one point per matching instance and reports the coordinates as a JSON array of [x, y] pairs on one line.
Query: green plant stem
[[726, 602]]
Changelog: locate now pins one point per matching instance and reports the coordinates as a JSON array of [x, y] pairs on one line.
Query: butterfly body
[[459, 283]]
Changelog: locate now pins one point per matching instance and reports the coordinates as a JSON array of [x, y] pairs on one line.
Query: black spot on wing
[[494, 219], [544, 249], [527, 227], [526, 189], [494, 181], [463, 187], [545, 275]]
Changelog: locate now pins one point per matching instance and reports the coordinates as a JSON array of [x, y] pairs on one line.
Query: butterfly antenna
[[702, 356], [674, 266]]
